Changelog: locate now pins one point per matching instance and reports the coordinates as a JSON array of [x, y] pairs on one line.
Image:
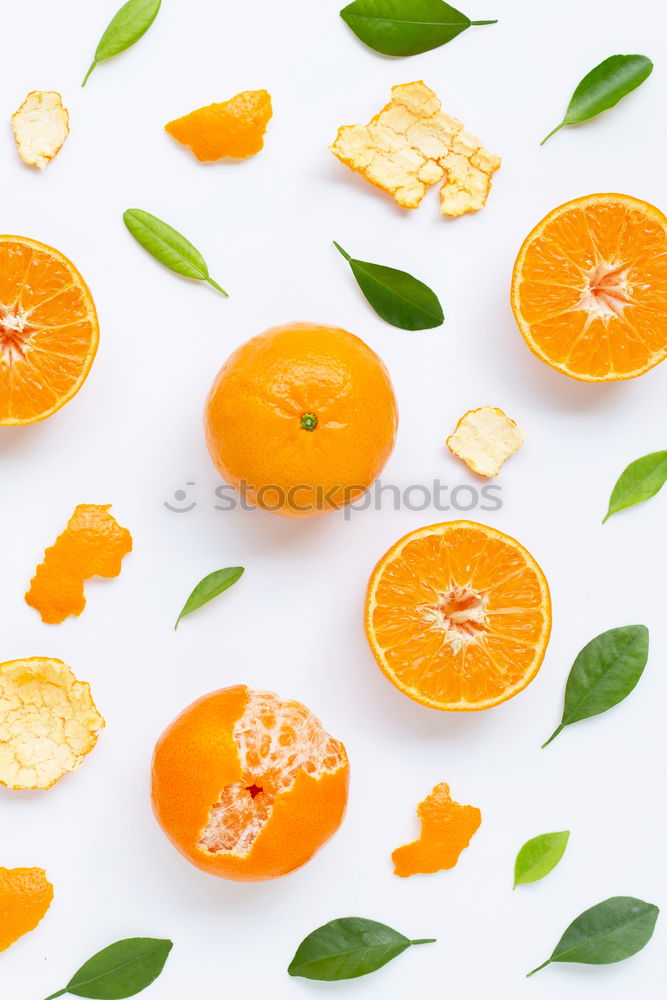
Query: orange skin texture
[[254, 410], [234, 128], [197, 756], [25, 896], [446, 830], [93, 544]]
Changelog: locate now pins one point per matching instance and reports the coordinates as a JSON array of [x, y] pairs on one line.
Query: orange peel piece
[[93, 544], [233, 128], [25, 896], [411, 144], [48, 722], [446, 830], [484, 439], [40, 126]]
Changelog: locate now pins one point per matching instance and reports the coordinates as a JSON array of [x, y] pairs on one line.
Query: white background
[[133, 436]]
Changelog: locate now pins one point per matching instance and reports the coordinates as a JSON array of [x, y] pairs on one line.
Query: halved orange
[[458, 616], [589, 290], [48, 330]]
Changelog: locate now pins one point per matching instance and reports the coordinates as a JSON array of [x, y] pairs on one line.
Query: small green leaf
[[640, 481], [119, 971], [604, 673], [539, 856], [396, 296], [348, 948], [405, 27], [604, 87], [210, 587], [168, 246], [609, 932], [126, 27]]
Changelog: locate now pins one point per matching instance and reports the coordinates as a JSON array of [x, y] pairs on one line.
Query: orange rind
[[446, 830], [40, 126], [589, 290], [48, 722], [25, 896], [247, 785], [233, 128], [92, 544], [411, 145], [484, 439], [458, 616]]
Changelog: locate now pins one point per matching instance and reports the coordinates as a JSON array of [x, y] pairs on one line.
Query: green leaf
[[405, 27], [126, 27], [348, 948], [396, 296], [121, 970], [609, 932], [168, 246], [604, 87], [604, 673], [642, 479], [539, 856], [210, 587]]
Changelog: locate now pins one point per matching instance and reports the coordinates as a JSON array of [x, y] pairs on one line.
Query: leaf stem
[[424, 941], [477, 23], [85, 81], [215, 284], [553, 132], [60, 993], [340, 250], [553, 737], [542, 966]]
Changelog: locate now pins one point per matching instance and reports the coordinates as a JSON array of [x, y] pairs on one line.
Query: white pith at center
[[14, 334], [461, 614], [607, 290]]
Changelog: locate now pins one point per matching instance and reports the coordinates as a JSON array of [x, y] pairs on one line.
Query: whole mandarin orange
[[301, 419], [247, 785]]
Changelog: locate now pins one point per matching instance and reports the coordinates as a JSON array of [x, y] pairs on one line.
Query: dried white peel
[[484, 439], [41, 126]]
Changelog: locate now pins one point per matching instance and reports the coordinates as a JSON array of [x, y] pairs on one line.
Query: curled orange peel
[[233, 128], [93, 544], [446, 829], [25, 896]]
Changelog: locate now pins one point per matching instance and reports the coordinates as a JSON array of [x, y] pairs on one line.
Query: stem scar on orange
[[301, 419], [247, 785], [589, 290], [458, 616], [48, 330]]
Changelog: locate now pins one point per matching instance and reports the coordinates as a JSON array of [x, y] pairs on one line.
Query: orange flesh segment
[[25, 896], [458, 616], [590, 288], [234, 128], [446, 830], [276, 740], [93, 544], [48, 330]]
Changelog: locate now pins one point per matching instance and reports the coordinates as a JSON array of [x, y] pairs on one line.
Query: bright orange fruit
[[48, 330], [25, 896], [248, 786], [446, 829], [458, 616], [233, 128], [589, 290], [301, 419], [92, 544]]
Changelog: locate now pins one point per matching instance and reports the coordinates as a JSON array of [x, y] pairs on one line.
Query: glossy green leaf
[[405, 27], [168, 246], [539, 856], [604, 673], [609, 932], [348, 948], [127, 26], [640, 481], [396, 296], [604, 87], [119, 971], [208, 588]]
